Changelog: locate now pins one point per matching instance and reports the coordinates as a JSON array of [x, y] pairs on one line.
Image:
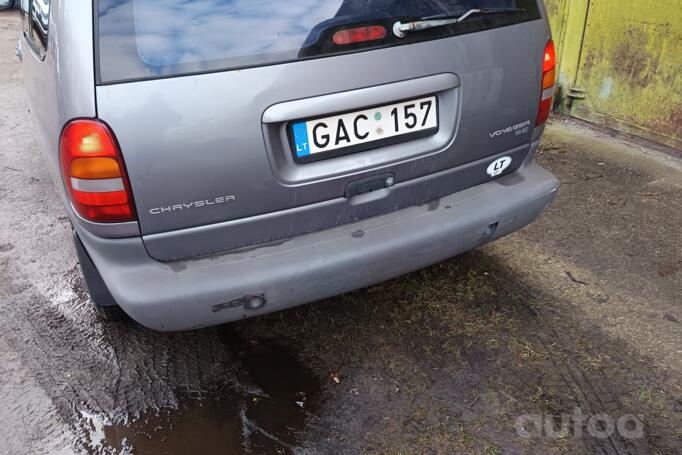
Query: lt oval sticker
[[498, 166]]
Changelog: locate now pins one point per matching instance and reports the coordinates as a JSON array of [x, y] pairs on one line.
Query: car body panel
[[190, 294], [208, 140], [223, 134]]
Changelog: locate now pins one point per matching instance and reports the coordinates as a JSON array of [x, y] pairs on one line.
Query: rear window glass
[[140, 39]]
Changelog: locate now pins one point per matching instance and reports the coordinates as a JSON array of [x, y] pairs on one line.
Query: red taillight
[[94, 173], [548, 82], [359, 35], [549, 61], [544, 110]]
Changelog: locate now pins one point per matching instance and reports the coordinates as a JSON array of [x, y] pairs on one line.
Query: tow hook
[[249, 302]]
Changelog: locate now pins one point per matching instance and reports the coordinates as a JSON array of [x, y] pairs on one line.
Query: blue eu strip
[[301, 139]]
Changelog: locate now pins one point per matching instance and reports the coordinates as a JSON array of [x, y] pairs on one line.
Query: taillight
[[548, 81], [359, 35], [94, 173]]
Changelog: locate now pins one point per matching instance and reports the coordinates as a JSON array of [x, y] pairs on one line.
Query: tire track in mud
[[85, 365], [115, 381], [606, 389], [119, 372], [404, 387]]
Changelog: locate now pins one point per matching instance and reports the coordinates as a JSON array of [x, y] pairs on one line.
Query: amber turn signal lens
[[549, 79], [95, 168]]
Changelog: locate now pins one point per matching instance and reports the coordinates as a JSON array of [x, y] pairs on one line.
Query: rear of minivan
[[247, 156]]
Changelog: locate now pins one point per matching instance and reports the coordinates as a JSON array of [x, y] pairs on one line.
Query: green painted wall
[[627, 57]]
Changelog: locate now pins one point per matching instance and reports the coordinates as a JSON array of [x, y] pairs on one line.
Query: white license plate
[[362, 130]]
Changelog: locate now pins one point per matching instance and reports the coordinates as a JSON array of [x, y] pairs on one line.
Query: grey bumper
[[202, 292]]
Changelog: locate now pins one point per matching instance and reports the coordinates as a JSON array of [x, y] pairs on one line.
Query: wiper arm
[[401, 30]]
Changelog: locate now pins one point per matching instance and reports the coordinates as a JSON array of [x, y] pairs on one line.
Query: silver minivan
[[222, 159]]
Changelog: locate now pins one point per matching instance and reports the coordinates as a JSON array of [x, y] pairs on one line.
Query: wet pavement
[[267, 417], [580, 311]]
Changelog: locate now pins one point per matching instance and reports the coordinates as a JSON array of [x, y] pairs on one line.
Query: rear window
[[142, 39]]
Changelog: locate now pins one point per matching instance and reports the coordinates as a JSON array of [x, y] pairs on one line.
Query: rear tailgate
[[211, 159]]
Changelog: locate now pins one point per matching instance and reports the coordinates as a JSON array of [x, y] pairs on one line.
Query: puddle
[[266, 416]]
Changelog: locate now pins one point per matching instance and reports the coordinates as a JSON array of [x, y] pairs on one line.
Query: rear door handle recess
[[369, 184]]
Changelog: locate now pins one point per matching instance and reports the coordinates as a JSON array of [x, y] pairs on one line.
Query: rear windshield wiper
[[425, 23]]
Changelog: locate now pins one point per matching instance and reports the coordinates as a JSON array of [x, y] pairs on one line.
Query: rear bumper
[[208, 291]]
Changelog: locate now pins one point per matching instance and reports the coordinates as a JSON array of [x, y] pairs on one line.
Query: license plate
[[353, 132]]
